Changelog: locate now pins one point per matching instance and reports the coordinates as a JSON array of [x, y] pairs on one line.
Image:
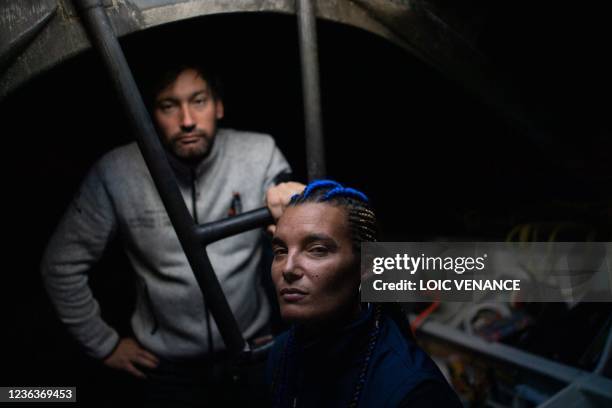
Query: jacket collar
[[345, 340]]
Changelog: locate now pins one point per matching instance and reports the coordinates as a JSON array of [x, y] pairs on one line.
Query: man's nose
[[187, 122]]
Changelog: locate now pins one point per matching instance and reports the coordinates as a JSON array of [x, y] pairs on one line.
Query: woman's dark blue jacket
[[324, 372]]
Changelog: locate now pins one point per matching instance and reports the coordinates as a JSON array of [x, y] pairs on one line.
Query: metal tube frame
[[315, 148], [104, 39], [191, 236]]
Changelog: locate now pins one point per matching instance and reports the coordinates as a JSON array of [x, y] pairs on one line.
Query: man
[[220, 172]]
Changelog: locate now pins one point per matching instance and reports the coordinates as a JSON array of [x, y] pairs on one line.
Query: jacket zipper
[[194, 210]]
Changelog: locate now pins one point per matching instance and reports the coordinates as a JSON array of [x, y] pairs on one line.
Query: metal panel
[[410, 24]]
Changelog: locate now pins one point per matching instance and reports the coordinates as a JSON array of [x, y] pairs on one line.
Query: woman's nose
[[292, 271]]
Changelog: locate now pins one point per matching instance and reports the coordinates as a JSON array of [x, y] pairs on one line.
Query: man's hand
[[277, 198], [127, 353]]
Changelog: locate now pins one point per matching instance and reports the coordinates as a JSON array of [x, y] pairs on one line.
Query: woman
[[339, 352]]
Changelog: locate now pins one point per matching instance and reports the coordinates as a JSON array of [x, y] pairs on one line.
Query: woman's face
[[315, 271]]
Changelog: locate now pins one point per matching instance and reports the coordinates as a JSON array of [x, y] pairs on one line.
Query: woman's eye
[[279, 251]]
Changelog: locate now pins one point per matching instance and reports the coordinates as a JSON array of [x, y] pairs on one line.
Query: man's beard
[[188, 151]]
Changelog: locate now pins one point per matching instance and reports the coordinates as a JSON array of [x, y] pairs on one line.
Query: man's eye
[[166, 107], [200, 101], [319, 250]]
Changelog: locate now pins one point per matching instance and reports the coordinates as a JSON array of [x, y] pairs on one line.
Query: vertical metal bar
[[104, 39], [307, 29]]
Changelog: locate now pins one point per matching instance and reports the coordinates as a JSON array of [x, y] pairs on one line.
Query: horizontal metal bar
[[605, 354], [502, 352], [214, 231]]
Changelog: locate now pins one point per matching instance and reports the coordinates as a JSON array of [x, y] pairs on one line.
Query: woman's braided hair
[[361, 217], [364, 228]]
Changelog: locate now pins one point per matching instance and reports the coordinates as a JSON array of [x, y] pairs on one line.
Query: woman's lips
[[292, 294]]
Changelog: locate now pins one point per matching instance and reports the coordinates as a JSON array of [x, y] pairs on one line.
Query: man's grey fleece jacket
[[118, 197]]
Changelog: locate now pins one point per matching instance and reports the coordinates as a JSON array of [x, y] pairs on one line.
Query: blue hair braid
[[361, 217], [318, 184], [345, 192]]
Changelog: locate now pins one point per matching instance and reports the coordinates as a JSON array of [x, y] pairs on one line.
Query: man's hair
[[361, 217], [157, 81]]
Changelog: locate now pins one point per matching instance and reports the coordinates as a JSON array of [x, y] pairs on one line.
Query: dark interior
[[436, 161]]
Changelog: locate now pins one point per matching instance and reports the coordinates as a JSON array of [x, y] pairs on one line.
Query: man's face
[[186, 114], [315, 270]]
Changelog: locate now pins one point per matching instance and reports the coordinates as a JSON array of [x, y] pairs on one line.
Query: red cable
[[418, 321]]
